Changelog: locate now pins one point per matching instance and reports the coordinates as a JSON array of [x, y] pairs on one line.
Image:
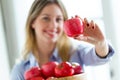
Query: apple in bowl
[[34, 72], [68, 71], [56, 71]]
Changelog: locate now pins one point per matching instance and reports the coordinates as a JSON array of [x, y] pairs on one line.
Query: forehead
[[52, 9]]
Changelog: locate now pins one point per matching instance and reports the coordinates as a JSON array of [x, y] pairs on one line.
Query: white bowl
[[81, 76]]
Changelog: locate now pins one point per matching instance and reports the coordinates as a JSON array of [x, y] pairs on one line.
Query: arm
[[88, 56], [93, 35]]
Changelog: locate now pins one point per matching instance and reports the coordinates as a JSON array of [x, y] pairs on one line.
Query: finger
[[81, 38], [92, 24], [86, 39], [86, 22], [96, 25]]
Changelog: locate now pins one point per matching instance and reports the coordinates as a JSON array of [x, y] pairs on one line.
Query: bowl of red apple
[[56, 71]]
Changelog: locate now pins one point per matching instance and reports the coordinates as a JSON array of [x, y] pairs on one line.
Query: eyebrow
[[50, 15], [45, 14]]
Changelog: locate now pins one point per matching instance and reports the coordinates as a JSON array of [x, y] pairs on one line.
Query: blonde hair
[[63, 44]]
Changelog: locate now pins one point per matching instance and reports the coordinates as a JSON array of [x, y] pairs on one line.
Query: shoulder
[[19, 64], [18, 69]]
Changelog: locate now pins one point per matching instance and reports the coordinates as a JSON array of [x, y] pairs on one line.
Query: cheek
[[60, 28], [37, 26], [60, 31]]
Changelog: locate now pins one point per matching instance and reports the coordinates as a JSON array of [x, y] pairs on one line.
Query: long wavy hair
[[63, 43]]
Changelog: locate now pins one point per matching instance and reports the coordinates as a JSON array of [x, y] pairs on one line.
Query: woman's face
[[48, 25]]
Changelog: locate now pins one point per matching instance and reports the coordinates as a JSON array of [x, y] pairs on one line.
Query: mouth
[[52, 33]]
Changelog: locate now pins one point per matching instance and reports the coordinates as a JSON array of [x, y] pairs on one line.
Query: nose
[[53, 24]]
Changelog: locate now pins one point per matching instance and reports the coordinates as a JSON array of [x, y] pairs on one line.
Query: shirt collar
[[32, 61], [55, 56], [55, 53]]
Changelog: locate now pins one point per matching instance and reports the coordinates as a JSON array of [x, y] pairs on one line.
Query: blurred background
[[13, 14]]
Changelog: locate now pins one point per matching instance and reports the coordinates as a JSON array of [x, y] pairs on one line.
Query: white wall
[[112, 22], [21, 8], [10, 29], [14, 17], [4, 62]]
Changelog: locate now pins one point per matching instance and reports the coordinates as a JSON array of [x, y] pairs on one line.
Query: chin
[[54, 40], [51, 40]]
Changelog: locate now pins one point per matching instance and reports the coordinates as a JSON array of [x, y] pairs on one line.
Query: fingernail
[[93, 27], [87, 24]]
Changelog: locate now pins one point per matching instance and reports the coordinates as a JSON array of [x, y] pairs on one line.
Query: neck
[[45, 48], [44, 52]]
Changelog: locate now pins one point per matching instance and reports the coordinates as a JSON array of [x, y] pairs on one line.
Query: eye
[[59, 19], [46, 18]]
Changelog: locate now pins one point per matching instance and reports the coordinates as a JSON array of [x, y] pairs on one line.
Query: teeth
[[51, 32]]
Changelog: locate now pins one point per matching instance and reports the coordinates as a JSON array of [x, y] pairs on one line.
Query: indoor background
[[13, 14]]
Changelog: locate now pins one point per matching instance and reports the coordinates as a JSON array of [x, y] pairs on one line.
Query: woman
[[46, 40]]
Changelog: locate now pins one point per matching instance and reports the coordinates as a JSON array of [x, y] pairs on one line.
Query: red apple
[[73, 27], [37, 78], [32, 72], [48, 69], [77, 68], [64, 69]]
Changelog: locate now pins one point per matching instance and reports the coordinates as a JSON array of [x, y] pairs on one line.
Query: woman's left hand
[[92, 34]]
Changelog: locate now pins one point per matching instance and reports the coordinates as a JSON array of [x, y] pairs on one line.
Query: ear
[[33, 25]]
